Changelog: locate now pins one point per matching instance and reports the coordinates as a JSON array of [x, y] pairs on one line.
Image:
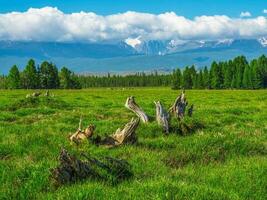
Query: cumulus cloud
[[245, 14], [265, 11], [51, 24]]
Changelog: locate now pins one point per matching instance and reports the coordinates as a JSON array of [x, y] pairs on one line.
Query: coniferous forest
[[233, 74]]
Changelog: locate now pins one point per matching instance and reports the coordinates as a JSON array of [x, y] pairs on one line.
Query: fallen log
[[80, 134], [133, 106], [72, 169], [162, 117], [179, 106], [127, 135]]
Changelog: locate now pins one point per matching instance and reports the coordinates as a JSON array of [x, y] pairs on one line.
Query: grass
[[225, 157]]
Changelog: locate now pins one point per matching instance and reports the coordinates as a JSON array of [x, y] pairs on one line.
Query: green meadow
[[225, 157]]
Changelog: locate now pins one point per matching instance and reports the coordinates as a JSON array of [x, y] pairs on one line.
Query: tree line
[[232, 74], [45, 76]]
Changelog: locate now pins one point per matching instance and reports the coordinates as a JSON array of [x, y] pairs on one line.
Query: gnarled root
[[80, 134], [133, 106], [162, 117], [71, 169], [125, 136]]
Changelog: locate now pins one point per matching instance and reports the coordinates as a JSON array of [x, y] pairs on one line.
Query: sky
[[187, 8], [132, 20]]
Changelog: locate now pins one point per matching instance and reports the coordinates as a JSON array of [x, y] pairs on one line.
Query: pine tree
[[187, 78], [30, 75], [262, 71], [247, 83], [14, 78], [228, 76], [206, 78], [216, 79], [240, 62], [193, 73], [177, 79], [200, 80]]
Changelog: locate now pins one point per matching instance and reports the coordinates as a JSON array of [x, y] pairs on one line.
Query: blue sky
[[187, 8]]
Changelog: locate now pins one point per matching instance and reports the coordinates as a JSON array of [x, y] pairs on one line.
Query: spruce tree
[[187, 78], [177, 79], [228, 74], [206, 78], [247, 83], [216, 79], [30, 75], [13, 78]]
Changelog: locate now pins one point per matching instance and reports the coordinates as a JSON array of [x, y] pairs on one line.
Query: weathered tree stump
[[80, 134], [162, 117], [133, 106], [179, 106], [35, 94], [126, 135], [71, 169]]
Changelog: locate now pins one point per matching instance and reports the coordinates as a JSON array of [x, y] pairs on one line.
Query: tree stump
[[133, 106], [81, 135], [179, 106], [162, 117], [71, 169], [35, 94], [126, 135]]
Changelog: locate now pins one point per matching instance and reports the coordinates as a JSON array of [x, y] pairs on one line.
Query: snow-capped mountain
[[132, 54], [158, 47]]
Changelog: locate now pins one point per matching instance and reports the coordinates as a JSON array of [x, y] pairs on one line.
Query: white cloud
[[51, 24], [265, 11], [245, 14]]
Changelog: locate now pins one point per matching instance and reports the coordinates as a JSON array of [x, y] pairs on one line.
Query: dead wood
[[127, 135], [80, 134], [72, 169], [162, 117], [179, 106], [35, 94], [133, 106]]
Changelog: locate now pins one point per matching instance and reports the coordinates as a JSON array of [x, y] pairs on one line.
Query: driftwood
[[80, 134], [133, 106], [71, 169], [35, 94], [126, 135], [162, 116], [179, 106]]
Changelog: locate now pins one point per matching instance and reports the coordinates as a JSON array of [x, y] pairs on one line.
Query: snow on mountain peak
[[263, 41], [225, 41], [133, 42]]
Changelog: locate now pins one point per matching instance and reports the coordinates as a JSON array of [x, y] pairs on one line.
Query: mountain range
[[128, 56]]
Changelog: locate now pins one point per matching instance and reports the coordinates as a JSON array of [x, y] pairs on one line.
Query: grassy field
[[225, 159]]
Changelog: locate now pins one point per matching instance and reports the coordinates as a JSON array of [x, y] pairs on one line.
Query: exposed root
[[133, 106], [81, 135], [71, 169], [125, 136]]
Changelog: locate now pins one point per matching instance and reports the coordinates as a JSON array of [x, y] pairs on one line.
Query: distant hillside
[[122, 57]]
